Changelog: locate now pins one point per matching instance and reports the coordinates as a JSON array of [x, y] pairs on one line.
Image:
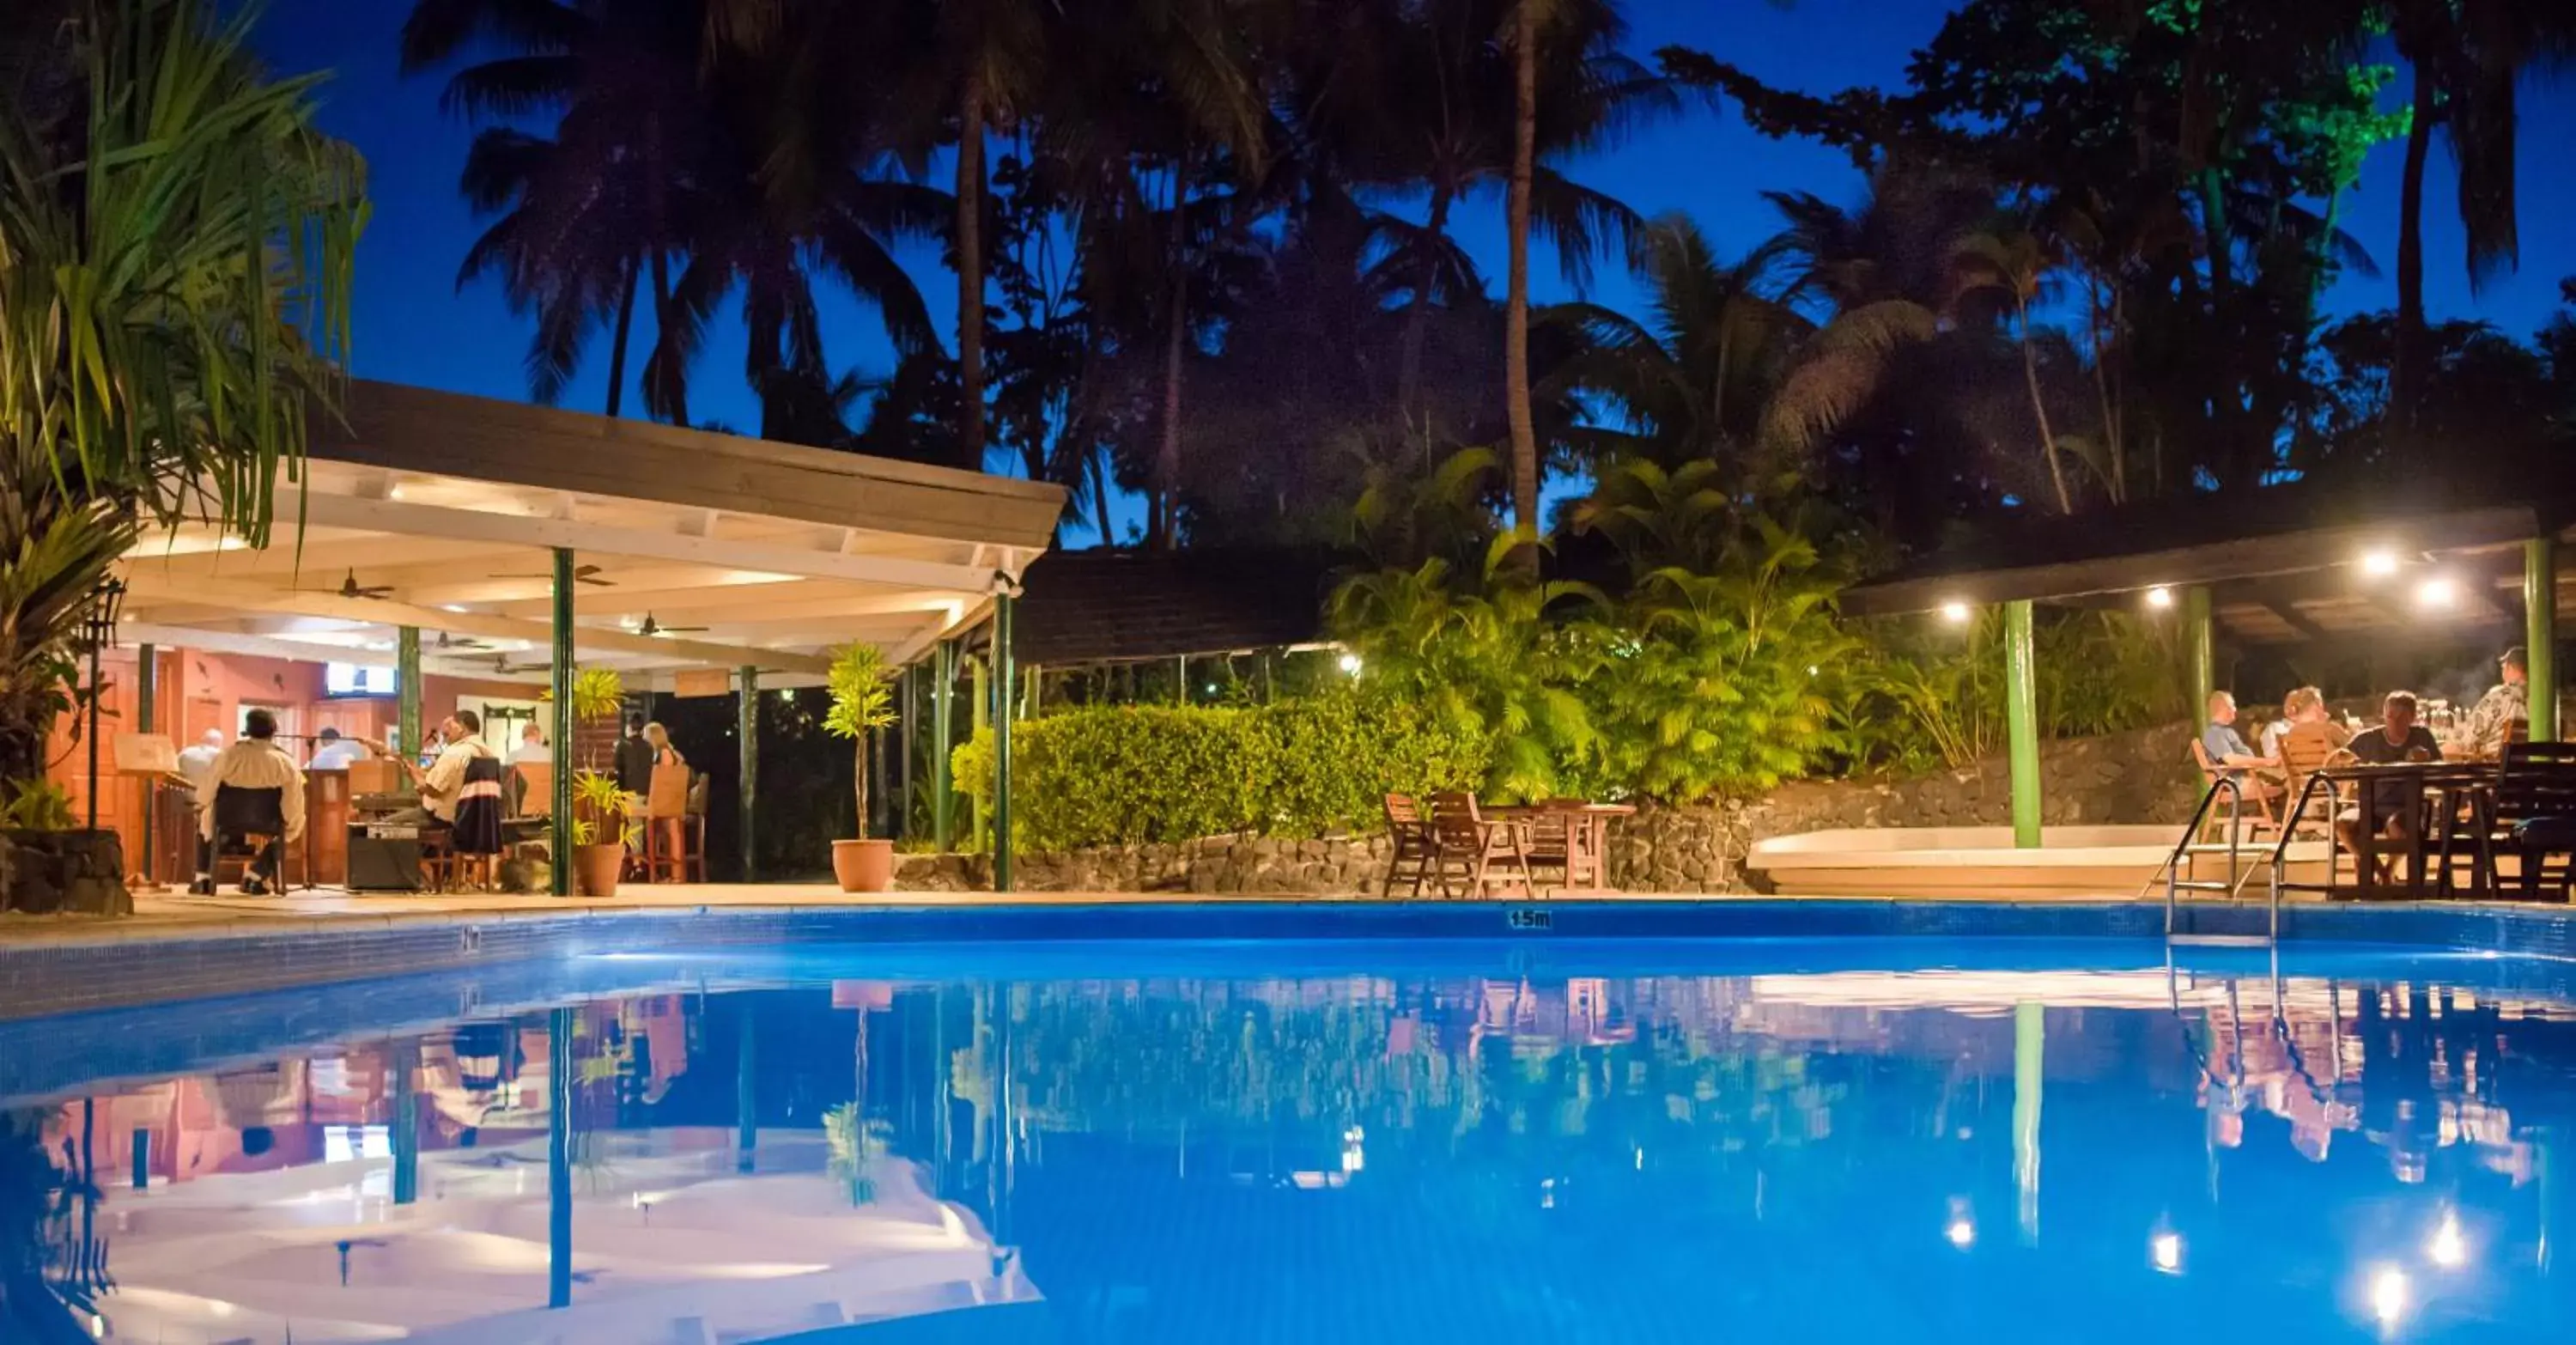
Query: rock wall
[[2142, 777]]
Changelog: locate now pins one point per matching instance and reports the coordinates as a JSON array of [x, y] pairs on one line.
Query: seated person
[[443, 784], [256, 763], [2506, 704], [2304, 706], [334, 752], [532, 749], [2391, 805], [2229, 756]]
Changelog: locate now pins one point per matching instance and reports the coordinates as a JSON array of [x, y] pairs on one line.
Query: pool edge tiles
[[106, 969]]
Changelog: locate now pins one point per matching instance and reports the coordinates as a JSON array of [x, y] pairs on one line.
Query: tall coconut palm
[[2468, 58], [585, 215], [176, 242]]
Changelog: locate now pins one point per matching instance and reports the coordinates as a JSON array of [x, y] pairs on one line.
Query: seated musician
[[443, 784], [233, 801]]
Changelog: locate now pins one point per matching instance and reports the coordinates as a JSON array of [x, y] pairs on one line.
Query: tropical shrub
[[1302, 768]]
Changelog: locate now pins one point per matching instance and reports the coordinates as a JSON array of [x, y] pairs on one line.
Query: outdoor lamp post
[[99, 629]]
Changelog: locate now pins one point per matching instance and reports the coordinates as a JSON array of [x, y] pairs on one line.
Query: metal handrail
[[2235, 834], [2290, 831]]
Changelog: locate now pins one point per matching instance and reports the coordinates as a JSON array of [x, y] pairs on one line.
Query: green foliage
[[1301, 768], [1923, 696], [36, 805], [862, 694], [596, 799], [176, 243]]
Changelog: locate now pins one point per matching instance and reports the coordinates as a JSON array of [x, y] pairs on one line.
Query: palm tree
[[2467, 58], [2011, 261], [990, 53], [1694, 380], [1516, 380], [585, 215], [174, 306]]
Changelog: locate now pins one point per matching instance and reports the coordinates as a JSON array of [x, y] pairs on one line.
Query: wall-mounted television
[[354, 679]]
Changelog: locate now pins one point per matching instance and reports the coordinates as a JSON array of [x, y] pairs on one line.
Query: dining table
[[1587, 839], [2452, 802]]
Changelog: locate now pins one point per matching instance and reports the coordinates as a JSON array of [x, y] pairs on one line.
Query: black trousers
[[265, 866]]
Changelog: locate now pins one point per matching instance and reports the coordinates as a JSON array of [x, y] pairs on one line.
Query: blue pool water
[[1858, 1140]]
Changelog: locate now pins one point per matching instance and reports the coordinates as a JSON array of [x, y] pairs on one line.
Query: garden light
[[1351, 664]]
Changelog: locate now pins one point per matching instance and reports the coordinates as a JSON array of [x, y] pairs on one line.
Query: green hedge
[[1299, 769]]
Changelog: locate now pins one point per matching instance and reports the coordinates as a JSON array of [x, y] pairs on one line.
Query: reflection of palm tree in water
[[53, 1264]]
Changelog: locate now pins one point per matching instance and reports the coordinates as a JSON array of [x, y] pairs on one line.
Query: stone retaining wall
[[2141, 777]]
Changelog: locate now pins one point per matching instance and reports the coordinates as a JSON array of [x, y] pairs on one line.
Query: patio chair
[[2252, 811], [1481, 852], [1550, 838], [2535, 816], [666, 811], [2305, 750], [1409, 845]]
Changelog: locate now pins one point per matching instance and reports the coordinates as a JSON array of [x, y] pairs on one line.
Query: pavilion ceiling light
[[2438, 591], [2379, 563], [1956, 613], [2160, 597]]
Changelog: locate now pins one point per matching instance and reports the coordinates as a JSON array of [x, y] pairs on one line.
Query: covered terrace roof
[[2285, 565], [440, 511]]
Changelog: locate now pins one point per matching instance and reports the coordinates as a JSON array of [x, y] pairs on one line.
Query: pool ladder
[[2238, 872]]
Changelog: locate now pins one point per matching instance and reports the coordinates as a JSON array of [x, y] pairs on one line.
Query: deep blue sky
[[414, 326]]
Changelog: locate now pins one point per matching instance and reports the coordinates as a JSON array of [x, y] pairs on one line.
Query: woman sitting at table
[[2392, 804]]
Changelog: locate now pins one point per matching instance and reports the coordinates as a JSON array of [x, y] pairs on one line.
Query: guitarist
[[443, 784]]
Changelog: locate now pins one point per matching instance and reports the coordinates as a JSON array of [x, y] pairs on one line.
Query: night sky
[[414, 326]]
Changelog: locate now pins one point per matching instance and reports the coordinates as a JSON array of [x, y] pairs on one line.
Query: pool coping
[[92, 968]]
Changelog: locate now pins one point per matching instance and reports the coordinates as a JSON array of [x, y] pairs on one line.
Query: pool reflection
[[1843, 1156]]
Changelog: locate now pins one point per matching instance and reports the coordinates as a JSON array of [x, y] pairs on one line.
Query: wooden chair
[[532, 789], [1410, 847], [2246, 807], [246, 820], [2305, 750], [666, 812], [1551, 838], [1482, 853], [2534, 816]]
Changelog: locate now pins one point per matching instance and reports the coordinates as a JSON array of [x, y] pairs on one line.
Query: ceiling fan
[[652, 627], [581, 574], [351, 588], [447, 641]]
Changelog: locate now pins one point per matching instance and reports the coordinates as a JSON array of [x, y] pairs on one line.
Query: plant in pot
[[862, 703], [599, 809]]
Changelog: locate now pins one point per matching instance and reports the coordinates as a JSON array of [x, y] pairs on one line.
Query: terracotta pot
[[595, 868], [863, 866]]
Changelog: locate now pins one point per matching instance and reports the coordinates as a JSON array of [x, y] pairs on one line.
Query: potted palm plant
[[600, 826], [862, 703]]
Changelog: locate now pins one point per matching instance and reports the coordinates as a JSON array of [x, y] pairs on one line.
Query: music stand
[[154, 759]]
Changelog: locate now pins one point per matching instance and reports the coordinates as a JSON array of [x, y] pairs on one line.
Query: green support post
[[1003, 679], [407, 696], [943, 791], [2200, 649], [2540, 635], [2021, 723], [559, 1072], [147, 692], [559, 831], [981, 710], [746, 712], [405, 1136], [907, 709], [2030, 1073]]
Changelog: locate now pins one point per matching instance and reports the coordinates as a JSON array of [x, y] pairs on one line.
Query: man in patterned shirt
[[2500, 709]]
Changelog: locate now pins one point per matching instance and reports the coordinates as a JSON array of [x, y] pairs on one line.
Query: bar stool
[[666, 813]]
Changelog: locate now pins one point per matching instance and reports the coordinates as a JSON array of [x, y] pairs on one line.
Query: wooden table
[[2461, 787], [1587, 840]]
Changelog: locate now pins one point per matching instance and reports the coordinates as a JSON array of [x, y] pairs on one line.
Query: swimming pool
[[1857, 1139]]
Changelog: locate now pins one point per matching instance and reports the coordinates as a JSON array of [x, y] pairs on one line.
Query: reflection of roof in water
[[667, 1232]]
